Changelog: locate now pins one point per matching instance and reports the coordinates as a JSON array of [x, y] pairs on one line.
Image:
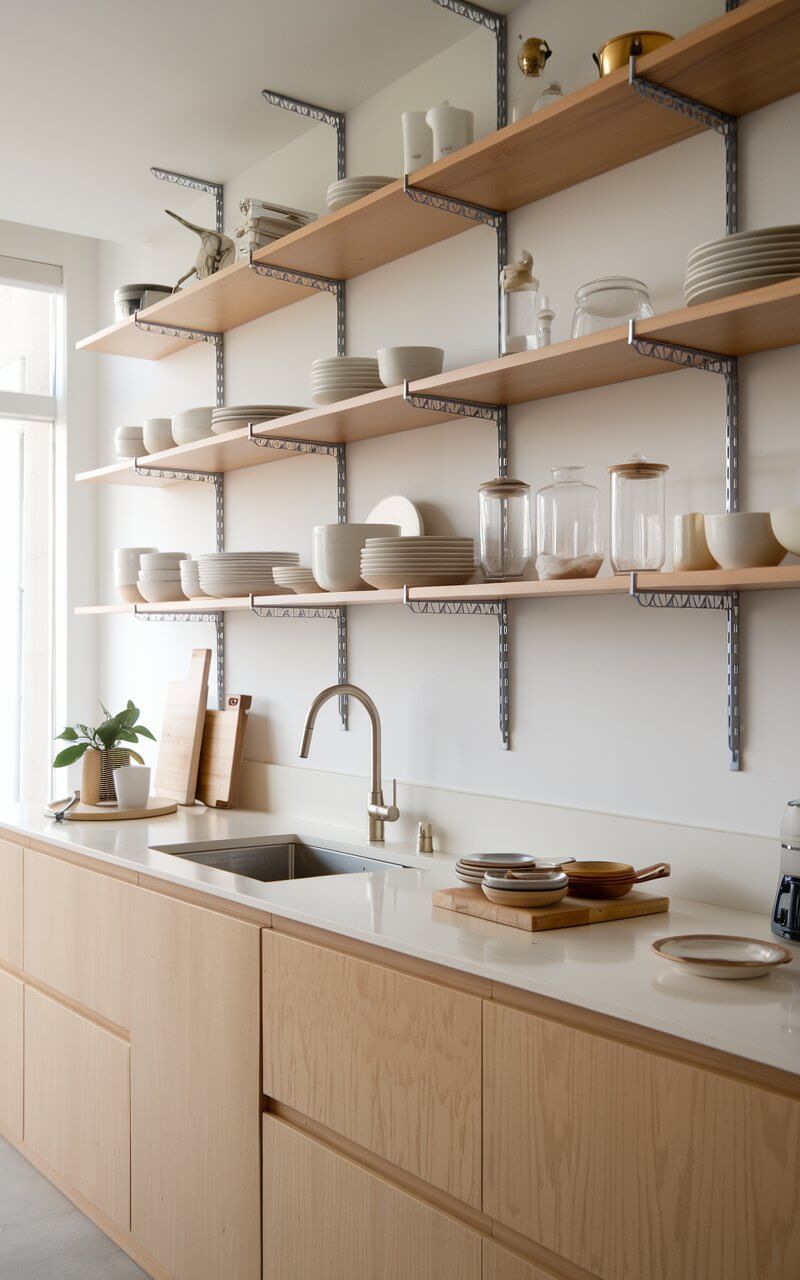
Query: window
[[29, 312]]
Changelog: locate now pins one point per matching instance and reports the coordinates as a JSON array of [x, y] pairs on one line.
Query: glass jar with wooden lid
[[637, 515]]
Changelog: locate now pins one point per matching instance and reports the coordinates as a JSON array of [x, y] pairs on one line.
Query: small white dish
[[718, 955]]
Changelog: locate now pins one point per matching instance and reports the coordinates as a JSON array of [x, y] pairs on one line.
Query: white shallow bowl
[[161, 592], [336, 561], [191, 424], [710, 955], [785, 523], [157, 434], [395, 364], [743, 540]]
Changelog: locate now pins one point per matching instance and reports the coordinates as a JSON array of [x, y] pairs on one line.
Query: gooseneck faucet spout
[[378, 811]]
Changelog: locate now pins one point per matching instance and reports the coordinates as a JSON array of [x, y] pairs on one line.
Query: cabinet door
[[632, 1165], [326, 1216], [77, 1103], [388, 1060], [77, 931], [11, 1022], [196, 1096], [11, 903], [502, 1264]]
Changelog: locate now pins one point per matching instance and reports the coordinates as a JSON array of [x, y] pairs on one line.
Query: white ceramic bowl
[[127, 450], [786, 527], [123, 433], [159, 575], [162, 559], [337, 553], [130, 593], [191, 424], [743, 540], [161, 592], [395, 364], [157, 434]]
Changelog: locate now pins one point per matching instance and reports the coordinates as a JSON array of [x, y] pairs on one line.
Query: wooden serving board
[[567, 913], [221, 753], [184, 717], [80, 812]]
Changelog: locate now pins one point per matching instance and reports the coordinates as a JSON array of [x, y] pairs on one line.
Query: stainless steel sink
[[292, 860]]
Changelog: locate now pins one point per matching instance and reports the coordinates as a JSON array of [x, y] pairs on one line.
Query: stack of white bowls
[[746, 260], [230, 574], [191, 424], [129, 442], [398, 364], [340, 377], [126, 572], [336, 553], [417, 562], [347, 190], [157, 434], [297, 578], [190, 579], [232, 417], [160, 576]]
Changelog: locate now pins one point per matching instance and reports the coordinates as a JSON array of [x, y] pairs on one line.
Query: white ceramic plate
[[743, 257], [712, 292], [721, 275], [727, 253], [711, 955], [394, 581], [788, 232], [491, 861]]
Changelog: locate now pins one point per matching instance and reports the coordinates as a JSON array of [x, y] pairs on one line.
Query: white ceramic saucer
[[719, 955]]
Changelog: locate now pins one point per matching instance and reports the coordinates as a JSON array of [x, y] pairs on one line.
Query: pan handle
[[655, 872]]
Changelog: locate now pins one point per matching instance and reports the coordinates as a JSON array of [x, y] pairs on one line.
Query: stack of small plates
[[231, 417], [160, 576], [746, 260], [347, 190], [340, 377], [472, 868], [190, 579], [297, 578], [417, 562], [242, 573]]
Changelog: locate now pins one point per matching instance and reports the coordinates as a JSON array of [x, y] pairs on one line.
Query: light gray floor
[[44, 1237]]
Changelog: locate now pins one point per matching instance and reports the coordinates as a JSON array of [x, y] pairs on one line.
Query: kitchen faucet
[[379, 812]]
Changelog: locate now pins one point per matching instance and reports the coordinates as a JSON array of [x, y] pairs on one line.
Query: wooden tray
[[155, 807], [567, 913]]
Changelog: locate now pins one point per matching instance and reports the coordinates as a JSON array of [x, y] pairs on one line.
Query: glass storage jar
[[603, 304], [637, 515], [505, 529], [569, 527], [519, 306]]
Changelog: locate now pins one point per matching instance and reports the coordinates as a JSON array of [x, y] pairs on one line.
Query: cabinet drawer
[[502, 1264], [388, 1060], [326, 1216], [77, 1103], [77, 931], [11, 1022], [11, 903], [632, 1165]]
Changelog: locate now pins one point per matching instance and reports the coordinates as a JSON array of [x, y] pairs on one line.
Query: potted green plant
[[102, 750]]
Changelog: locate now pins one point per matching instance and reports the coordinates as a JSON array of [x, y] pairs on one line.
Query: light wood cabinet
[[635, 1166], [326, 1216], [11, 1053], [77, 1103], [390, 1061], [196, 1097], [77, 934], [11, 903], [502, 1264]]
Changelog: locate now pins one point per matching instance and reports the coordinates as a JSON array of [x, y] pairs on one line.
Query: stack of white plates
[[243, 573], [129, 442], [298, 578], [471, 869], [417, 562], [347, 190], [191, 424], [160, 576], [231, 417], [340, 377], [746, 260], [126, 572], [190, 579]]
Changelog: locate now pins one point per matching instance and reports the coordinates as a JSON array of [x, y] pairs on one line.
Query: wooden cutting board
[[222, 752], [565, 914], [156, 806], [181, 736]]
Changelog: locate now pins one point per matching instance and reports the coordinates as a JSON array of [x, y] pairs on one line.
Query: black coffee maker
[[786, 912]]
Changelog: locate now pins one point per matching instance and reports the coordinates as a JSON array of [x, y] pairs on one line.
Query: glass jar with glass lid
[[603, 304], [505, 529], [637, 515], [569, 527]]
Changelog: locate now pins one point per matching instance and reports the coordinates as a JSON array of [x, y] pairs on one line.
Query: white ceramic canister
[[690, 550], [417, 141], [453, 128]]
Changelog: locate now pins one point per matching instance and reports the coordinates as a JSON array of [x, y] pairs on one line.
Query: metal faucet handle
[[392, 811]]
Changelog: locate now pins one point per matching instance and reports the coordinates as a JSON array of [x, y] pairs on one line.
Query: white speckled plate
[[720, 955]]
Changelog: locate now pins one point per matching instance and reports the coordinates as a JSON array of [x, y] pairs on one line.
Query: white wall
[[615, 709]]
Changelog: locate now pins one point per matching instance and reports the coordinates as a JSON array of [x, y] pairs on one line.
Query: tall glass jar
[[637, 515], [569, 527], [505, 525], [519, 306]]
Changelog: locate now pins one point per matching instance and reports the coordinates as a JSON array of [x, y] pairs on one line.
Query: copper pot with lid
[[618, 51]]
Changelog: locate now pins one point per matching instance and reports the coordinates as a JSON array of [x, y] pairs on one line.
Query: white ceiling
[[94, 92]]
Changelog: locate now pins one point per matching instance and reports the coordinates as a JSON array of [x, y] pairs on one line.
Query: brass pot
[[616, 53]]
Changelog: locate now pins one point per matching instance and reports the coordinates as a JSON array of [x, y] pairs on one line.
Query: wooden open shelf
[[783, 577], [759, 320], [739, 62]]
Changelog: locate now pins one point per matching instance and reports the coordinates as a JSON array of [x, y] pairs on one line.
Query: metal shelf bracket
[[496, 413], [496, 23], [195, 335], [214, 189], [218, 620], [337, 613], [337, 451], [720, 121], [309, 280], [336, 119], [483, 609], [204, 477]]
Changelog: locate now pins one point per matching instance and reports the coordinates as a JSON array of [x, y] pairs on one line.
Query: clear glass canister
[[519, 306], [505, 521], [637, 515], [569, 527], [603, 304]]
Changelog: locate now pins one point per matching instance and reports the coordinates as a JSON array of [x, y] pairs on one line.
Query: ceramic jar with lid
[[505, 529], [569, 527], [637, 515]]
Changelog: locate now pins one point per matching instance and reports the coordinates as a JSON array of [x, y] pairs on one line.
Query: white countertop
[[608, 968]]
